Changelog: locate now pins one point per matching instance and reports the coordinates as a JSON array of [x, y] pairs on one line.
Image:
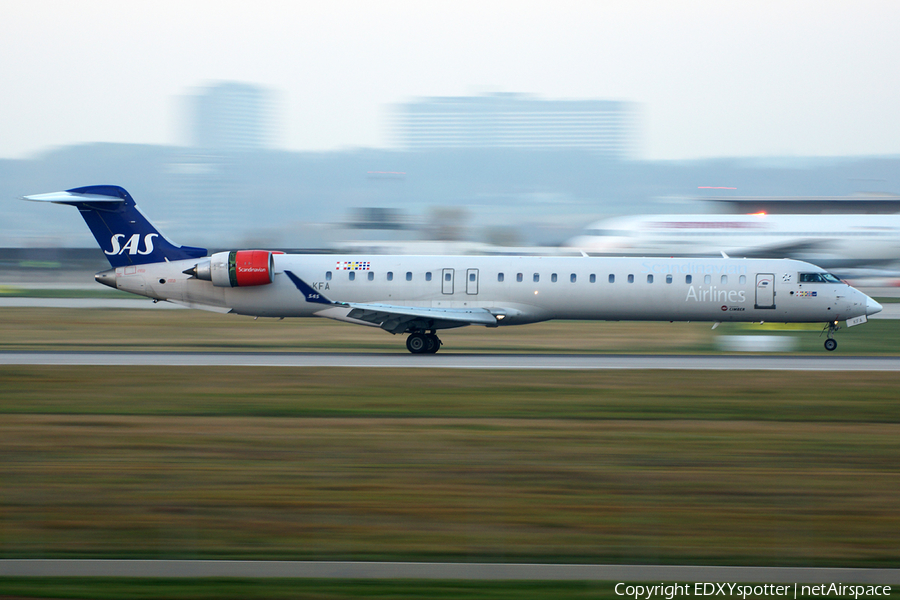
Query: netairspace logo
[[744, 591]]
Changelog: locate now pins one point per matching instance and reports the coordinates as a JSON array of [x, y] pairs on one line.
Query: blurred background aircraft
[[852, 245]]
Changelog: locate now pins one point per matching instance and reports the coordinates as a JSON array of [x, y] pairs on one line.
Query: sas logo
[[132, 245]]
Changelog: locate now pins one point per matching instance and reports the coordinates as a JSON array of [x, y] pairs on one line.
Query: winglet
[[308, 292]]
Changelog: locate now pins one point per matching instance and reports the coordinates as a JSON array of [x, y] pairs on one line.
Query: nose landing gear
[[420, 342], [831, 343]]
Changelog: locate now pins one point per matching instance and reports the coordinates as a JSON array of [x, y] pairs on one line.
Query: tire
[[434, 343], [830, 344], [417, 343]]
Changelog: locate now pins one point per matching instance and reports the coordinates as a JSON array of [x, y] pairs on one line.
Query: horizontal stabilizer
[[70, 198], [208, 307]]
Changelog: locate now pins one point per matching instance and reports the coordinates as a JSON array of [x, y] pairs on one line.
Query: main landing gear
[[831, 343], [420, 342]]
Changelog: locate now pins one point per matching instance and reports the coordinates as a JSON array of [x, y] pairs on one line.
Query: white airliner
[[418, 295], [831, 241]]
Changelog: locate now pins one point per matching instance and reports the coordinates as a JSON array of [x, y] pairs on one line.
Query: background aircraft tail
[[125, 235]]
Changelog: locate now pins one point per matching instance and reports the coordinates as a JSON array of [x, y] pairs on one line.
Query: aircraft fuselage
[[527, 289]]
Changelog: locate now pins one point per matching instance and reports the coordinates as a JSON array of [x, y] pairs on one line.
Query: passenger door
[[765, 290]]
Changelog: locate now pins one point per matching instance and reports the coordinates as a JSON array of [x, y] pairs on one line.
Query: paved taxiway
[[411, 570], [460, 361]]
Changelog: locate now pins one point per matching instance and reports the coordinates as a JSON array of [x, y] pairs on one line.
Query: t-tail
[[125, 235]]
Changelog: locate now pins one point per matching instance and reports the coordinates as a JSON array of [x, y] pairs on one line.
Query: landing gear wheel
[[434, 343], [417, 343], [831, 343]]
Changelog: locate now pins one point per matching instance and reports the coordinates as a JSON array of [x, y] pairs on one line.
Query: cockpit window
[[818, 278]]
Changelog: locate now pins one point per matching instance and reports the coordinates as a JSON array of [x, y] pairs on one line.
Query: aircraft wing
[[398, 319]]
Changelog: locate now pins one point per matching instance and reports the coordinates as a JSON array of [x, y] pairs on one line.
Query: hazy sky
[[715, 78]]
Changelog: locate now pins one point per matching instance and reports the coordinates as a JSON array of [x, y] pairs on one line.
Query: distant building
[[808, 205], [233, 117], [518, 121]]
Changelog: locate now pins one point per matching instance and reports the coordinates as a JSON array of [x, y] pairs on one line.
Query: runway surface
[[463, 571], [461, 361]]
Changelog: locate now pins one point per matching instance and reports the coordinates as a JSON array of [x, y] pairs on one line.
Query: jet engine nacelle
[[238, 268]]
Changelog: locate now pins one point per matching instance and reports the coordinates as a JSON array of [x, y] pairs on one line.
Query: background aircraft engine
[[238, 268]]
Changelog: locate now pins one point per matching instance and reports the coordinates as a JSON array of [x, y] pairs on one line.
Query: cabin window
[[351, 275], [688, 279], [572, 277], [519, 277], [630, 278], [743, 279], [553, 277], [537, 277], [472, 277], [669, 278], [500, 277], [612, 278], [649, 278], [593, 278], [371, 276], [707, 279], [428, 276], [327, 275], [448, 277], [390, 276], [724, 279], [409, 275]]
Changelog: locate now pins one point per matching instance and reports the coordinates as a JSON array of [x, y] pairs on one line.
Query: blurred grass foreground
[[773, 468]]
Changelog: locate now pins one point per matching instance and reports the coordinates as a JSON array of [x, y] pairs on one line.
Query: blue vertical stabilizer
[[125, 235]]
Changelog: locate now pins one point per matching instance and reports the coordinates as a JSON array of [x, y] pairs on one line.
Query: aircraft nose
[[872, 307]]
